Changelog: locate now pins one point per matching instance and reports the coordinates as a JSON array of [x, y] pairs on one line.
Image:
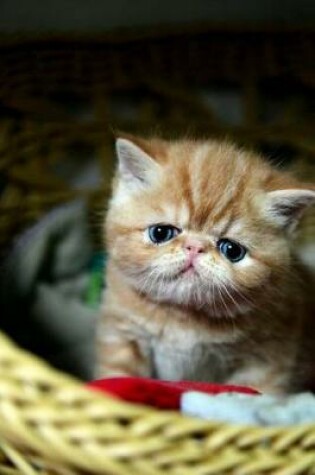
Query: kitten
[[202, 282]]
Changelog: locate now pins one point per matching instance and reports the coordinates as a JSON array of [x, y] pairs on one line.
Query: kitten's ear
[[286, 207], [135, 166]]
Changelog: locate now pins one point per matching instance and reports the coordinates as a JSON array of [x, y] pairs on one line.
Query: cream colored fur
[[243, 323]]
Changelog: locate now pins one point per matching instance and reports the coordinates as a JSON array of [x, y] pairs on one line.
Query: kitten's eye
[[233, 251], [160, 233]]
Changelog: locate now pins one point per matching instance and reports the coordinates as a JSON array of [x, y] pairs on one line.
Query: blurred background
[[73, 71]]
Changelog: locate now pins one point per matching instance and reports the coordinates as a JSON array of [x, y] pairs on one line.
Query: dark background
[[100, 15]]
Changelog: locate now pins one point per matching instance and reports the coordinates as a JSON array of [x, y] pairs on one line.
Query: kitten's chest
[[189, 357]]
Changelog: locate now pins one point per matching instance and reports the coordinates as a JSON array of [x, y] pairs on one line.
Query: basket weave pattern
[[59, 93], [50, 424]]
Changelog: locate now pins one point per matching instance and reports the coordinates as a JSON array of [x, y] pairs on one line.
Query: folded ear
[[135, 167], [286, 207]]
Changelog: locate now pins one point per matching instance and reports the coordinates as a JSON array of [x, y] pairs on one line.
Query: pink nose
[[194, 246]]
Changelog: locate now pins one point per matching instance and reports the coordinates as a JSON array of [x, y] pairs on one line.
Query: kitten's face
[[195, 224]]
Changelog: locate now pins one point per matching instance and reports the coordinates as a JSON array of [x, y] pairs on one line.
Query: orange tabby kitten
[[202, 282]]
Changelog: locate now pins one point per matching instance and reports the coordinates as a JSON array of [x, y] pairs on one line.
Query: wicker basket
[[48, 422], [59, 96]]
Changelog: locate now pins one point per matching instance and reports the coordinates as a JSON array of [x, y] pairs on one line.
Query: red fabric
[[161, 394]]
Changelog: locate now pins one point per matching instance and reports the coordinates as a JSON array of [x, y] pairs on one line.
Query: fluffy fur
[[246, 322]]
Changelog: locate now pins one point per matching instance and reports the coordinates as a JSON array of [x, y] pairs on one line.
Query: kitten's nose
[[194, 246]]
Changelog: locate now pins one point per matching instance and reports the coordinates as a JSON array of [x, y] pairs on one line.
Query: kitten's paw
[[102, 373]]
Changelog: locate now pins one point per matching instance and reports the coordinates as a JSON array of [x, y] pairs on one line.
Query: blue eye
[[160, 233], [233, 251]]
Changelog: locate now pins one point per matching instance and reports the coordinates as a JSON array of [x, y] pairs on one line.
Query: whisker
[[223, 302]]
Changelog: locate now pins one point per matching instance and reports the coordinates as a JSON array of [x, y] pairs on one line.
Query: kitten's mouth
[[188, 270]]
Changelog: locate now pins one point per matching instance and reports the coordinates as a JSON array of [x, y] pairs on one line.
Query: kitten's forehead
[[206, 183], [178, 213], [202, 185]]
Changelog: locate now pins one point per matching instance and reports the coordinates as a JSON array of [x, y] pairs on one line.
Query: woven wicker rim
[[50, 423]]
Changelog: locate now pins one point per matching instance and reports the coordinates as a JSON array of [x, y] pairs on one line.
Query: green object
[[96, 283]]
